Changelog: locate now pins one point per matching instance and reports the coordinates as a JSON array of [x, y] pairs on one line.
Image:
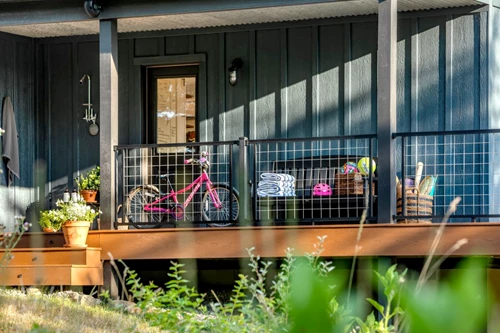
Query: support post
[[110, 279], [108, 108], [386, 108], [243, 177]]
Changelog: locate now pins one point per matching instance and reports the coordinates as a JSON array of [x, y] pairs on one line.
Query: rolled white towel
[[282, 184], [277, 177], [276, 194]]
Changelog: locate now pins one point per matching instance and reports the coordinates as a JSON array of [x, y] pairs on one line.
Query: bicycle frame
[[203, 178]]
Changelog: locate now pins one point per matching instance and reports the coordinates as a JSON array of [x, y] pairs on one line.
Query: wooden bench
[[305, 206]]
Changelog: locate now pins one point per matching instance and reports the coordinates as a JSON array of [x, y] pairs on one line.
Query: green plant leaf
[[310, 299], [376, 305], [458, 305], [370, 319]]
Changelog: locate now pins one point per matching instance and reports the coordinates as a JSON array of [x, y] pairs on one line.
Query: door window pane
[[176, 105]]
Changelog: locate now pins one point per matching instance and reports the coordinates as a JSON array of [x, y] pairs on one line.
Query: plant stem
[[423, 275], [356, 249]]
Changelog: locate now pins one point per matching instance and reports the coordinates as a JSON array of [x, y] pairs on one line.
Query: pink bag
[[322, 190]]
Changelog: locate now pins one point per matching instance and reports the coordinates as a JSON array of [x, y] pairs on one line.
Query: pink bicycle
[[147, 207]]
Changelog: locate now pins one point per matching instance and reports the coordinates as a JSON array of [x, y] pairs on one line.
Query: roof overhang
[[38, 19]]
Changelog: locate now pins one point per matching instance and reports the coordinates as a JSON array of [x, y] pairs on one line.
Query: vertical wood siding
[[296, 82], [16, 81]]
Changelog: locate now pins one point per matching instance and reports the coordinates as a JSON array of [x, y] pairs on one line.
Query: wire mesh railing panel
[[439, 167], [171, 185], [314, 180], [327, 180]]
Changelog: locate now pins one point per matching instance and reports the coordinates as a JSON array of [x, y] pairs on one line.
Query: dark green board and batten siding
[[321, 80], [298, 80], [66, 143], [16, 81]]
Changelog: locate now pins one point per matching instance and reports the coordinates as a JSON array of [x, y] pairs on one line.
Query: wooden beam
[[387, 240], [386, 108], [377, 240], [108, 115]]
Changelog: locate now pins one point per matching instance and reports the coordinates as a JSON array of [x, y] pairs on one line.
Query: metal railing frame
[[245, 151], [404, 136]]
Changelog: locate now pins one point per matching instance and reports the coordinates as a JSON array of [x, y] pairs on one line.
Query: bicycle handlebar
[[203, 161]]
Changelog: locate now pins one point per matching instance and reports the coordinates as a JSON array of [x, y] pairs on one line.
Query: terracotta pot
[[75, 233], [88, 195], [49, 230]]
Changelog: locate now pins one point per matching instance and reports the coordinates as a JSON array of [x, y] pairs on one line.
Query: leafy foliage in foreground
[[459, 305], [306, 296]]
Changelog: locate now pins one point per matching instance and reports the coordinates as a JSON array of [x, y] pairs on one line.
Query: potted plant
[[89, 184], [77, 218], [51, 220]]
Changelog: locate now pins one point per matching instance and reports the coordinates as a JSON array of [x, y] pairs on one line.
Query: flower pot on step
[[89, 195], [49, 230], [75, 233]]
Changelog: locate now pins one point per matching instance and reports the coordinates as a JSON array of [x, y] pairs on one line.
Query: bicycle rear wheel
[[136, 200], [221, 217]]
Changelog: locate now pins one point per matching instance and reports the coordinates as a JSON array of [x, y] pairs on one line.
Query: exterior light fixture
[[92, 8], [233, 71]]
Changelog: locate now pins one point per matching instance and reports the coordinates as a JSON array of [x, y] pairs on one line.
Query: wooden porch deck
[[394, 240], [41, 259]]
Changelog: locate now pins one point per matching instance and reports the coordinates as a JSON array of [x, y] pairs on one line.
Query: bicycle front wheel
[[229, 211], [136, 200]]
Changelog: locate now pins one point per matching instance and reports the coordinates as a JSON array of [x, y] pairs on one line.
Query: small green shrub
[[252, 306], [52, 218], [76, 210], [90, 181], [306, 296], [393, 283], [177, 305]]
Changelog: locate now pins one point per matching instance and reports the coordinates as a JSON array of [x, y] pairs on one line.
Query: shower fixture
[[90, 115]]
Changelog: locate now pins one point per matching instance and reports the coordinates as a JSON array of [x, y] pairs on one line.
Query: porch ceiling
[[229, 17]]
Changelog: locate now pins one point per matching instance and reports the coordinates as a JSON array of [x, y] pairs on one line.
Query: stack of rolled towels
[[276, 185]]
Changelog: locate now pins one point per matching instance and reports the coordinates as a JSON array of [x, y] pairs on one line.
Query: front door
[[172, 106]]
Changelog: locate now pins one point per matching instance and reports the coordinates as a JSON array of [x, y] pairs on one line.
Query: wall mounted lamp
[[233, 71]]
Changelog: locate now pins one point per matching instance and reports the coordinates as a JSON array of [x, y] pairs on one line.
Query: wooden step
[[51, 275], [90, 256]]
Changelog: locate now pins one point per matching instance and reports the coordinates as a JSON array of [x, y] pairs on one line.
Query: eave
[[38, 19]]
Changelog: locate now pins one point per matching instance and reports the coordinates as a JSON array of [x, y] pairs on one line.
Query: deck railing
[[155, 170], [314, 187], [462, 164], [321, 192]]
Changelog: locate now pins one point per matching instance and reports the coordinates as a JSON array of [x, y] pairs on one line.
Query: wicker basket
[[350, 184], [416, 204]]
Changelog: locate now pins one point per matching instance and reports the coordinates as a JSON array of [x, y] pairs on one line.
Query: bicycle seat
[[166, 175]]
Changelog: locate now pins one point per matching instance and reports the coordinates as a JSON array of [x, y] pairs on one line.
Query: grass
[[20, 312]]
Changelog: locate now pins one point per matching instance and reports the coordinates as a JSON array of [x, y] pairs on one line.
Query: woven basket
[[350, 184], [416, 204]]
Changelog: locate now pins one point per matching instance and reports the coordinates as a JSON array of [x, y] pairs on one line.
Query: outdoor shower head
[[83, 78]]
